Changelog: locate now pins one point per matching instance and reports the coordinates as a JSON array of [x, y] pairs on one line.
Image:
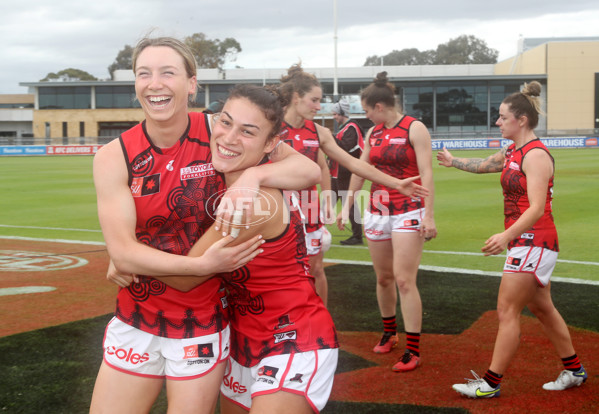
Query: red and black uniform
[[513, 181], [351, 139], [274, 308], [392, 153], [305, 141], [175, 192]]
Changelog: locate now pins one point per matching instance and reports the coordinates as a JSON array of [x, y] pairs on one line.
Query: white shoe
[[477, 388], [567, 379]]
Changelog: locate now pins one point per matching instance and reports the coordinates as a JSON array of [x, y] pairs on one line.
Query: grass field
[[52, 370], [53, 197]]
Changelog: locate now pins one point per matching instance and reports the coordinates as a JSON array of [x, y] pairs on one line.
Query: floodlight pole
[[335, 90]]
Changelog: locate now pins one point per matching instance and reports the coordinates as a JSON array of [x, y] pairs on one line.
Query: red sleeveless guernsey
[[305, 141], [392, 153], [174, 192], [274, 308], [513, 181]]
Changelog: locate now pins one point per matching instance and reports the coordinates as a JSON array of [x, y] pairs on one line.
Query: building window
[[114, 129], [116, 97], [418, 102], [66, 97]]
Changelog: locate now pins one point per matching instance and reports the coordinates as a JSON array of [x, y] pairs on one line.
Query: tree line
[[214, 53]]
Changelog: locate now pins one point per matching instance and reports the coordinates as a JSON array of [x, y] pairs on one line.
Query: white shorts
[[378, 227], [309, 374], [536, 260], [314, 241], [136, 352]]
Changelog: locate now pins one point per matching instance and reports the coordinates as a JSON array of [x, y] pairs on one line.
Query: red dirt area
[[81, 292], [448, 359]]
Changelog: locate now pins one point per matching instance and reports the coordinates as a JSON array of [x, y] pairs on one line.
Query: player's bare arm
[[491, 164]]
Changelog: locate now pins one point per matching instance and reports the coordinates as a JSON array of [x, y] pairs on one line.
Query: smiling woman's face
[[161, 83], [240, 138]]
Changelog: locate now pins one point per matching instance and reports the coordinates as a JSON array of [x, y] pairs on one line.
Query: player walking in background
[[527, 172], [302, 93], [396, 225]]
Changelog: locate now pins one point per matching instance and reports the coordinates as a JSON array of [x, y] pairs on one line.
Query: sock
[[389, 325], [413, 342], [572, 363], [492, 378]]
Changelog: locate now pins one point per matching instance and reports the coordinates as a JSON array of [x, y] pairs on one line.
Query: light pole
[[335, 90]]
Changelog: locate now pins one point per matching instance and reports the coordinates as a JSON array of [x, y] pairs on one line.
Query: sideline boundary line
[[48, 228], [468, 271], [472, 254], [357, 262]]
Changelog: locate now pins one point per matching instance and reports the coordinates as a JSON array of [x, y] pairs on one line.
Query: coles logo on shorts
[[513, 261], [128, 355], [198, 351], [233, 385], [315, 242], [373, 232]]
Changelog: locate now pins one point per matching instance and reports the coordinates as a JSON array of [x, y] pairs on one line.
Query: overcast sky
[[41, 36]]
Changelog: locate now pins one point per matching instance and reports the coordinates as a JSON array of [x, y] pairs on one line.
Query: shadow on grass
[[53, 370]]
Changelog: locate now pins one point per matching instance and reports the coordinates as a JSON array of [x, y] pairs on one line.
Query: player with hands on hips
[[396, 225]]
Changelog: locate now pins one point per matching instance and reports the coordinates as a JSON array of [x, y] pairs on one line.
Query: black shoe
[[351, 241]]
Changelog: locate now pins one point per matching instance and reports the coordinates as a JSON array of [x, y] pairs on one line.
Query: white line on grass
[[95, 243], [471, 254], [465, 271], [364, 263], [25, 289], [47, 228]]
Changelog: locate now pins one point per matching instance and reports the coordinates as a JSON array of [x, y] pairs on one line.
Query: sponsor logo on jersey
[[377, 134], [142, 164], [285, 336], [309, 142], [169, 166], [397, 141], [268, 371], [283, 322], [143, 186], [528, 236], [233, 385], [514, 166], [197, 171], [128, 355], [198, 351]]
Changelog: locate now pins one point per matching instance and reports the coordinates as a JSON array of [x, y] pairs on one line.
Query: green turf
[[58, 192], [52, 370]]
